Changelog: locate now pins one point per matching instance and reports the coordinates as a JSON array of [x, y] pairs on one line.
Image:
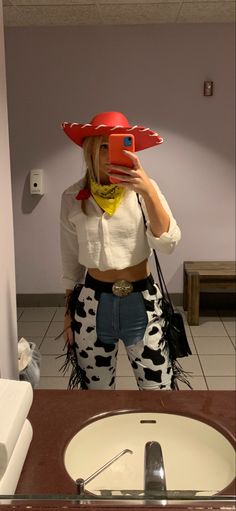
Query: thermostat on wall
[[37, 182]]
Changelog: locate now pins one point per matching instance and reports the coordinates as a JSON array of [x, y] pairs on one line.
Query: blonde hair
[[91, 148]]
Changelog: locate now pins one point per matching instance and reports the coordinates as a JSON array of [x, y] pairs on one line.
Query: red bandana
[[83, 194]]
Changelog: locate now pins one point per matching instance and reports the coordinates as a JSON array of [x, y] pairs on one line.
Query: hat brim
[[144, 137]]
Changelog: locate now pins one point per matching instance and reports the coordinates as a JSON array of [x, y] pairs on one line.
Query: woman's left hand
[[134, 178]]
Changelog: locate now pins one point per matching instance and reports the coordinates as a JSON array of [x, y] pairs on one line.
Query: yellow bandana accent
[[108, 197]]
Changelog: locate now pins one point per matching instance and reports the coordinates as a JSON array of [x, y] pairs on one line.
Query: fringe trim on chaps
[[76, 377], [71, 362], [179, 375]]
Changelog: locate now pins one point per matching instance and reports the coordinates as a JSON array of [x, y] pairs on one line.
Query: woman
[[105, 249]]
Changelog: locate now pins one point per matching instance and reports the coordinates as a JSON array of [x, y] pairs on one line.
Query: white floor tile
[[60, 313], [32, 328], [187, 330], [218, 365], [208, 327], [214, 346], [122, 350], [50, 366], [221, 382], [126, 383], [50, 346], [124, 367], [38, 314], [191, 365], [56, 328], [19, 312], [197, 383], [230, 326], [53, 383]]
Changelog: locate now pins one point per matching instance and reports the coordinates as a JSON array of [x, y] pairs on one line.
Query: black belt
[[120, 287]]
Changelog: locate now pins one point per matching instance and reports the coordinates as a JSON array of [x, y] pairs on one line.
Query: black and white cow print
[[149, 357]]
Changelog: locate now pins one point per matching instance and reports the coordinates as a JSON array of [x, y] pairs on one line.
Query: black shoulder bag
[[174, 329]]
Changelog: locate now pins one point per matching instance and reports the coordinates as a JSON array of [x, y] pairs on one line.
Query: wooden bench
[[202, 276]]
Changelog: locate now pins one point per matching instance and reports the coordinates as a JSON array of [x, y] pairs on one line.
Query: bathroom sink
[[196, 456]]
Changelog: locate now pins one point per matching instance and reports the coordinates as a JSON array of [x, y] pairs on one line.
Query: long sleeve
[[167, 242], [72, 270]]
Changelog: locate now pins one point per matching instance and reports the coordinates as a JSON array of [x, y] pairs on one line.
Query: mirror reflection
[[121, 133], [152, 73]]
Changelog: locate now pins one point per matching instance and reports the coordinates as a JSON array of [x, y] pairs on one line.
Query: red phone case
[[117, 143]]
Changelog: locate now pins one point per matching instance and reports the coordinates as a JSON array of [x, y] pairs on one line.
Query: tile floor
[[212, 364]]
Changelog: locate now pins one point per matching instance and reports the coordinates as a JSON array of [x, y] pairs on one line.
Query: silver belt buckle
[[122, 288]]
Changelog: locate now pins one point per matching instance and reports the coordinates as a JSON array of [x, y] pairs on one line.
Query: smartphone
[[117, 143]]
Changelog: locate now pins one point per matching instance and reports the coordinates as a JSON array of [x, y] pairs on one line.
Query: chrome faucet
[[154, 471], [80, 483]]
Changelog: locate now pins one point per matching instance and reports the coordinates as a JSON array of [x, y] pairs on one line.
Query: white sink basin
[[196, 456]]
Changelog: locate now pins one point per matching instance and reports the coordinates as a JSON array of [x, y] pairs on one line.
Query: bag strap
[[162, 284]]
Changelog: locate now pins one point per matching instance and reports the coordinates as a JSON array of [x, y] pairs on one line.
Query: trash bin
[[29, 360]]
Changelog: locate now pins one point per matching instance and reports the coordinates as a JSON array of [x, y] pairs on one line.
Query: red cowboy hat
[[111, 122]]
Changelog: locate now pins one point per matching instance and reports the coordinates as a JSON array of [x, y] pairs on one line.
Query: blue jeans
[[122, 318]]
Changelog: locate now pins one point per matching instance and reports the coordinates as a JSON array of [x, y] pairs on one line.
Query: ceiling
[[20, 13]]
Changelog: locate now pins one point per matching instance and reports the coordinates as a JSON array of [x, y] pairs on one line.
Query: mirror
[[154, 73]]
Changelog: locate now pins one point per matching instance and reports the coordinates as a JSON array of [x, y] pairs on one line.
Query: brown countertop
[[56, 415]]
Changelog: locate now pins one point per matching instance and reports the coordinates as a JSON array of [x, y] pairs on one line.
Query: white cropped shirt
[[97, 240]]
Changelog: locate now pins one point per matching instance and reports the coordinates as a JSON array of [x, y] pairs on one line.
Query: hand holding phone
[[118, 142]]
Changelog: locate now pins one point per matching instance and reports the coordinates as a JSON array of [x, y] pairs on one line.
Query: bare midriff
[[138, 272]]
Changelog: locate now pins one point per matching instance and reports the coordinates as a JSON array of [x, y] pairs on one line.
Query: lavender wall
[[154, 74]]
